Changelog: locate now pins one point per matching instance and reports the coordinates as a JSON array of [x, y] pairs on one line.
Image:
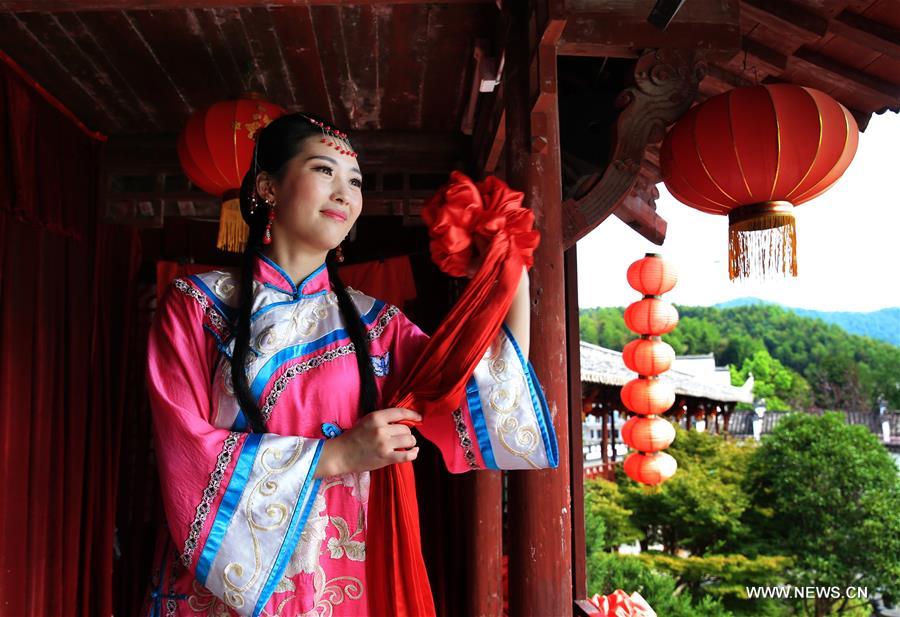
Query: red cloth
[[467, 222], [66, 302]]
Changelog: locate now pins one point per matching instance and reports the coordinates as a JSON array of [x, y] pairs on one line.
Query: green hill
[[805, 361], [882, 325]]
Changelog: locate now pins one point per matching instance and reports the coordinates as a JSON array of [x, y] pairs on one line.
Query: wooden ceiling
[[848, 49], [367, 65], [128, 67]]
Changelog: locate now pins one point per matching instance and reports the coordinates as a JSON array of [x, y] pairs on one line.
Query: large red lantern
[[754, 154], [215, 149]]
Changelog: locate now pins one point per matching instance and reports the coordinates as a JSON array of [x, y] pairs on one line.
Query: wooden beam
[[55, 6], [664, 12], [539, 506], [867, 33], [647, 107], [771, 61], [605, 34], [378, 150], [576, 469], [846, 76], [637, 214], [786, 18]]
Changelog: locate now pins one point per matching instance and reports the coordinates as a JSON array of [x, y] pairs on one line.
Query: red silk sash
[[466, 221]]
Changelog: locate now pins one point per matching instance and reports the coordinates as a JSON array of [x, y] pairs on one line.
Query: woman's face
[[318, 199]]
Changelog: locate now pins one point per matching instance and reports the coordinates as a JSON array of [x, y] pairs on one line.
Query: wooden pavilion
[[704, 394], [566, 99]]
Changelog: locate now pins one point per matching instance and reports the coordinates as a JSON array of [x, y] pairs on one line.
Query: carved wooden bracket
[[665, 83]]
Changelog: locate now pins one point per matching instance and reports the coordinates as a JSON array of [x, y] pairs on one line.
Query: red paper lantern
[[648, 356], [754, 154], [215, 149], [650, 468], [651, 316], [652, 275], [647, 396], [648, 433]]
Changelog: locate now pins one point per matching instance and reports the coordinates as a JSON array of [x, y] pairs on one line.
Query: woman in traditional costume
[[270, 393]]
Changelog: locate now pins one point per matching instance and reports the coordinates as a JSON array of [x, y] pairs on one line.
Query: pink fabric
[[181, 364]]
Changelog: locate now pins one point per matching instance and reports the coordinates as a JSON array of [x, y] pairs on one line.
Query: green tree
[[828, 494], [723, 576], [782, 388], [609, 571], [607, 522], [700, 508]]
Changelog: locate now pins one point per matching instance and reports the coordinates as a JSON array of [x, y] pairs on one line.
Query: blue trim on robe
[[295, 529], [225, 512], [541, 410], [292, 353], [228, 312], [279, 270], [481, 431]]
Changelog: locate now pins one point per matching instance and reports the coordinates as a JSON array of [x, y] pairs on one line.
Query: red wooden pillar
[[483, 566], [540, 533]]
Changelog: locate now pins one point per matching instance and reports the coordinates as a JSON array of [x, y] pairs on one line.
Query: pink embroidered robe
[[250, 530]]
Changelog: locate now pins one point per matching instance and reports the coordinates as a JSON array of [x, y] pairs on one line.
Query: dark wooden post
[[540, 532], [484, 567]]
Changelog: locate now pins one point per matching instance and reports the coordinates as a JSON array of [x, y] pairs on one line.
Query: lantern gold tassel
[[762, 240], [233, 231]]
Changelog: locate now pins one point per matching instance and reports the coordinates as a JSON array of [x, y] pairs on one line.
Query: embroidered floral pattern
[[202, 599], [355, 550], [464, 440], [209, 493], [215, 318]]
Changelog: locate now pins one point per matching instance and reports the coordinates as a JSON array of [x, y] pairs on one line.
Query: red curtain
[[66, 306]]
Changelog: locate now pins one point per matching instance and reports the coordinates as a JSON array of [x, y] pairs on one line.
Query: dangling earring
[[267, 238], [339, 253]]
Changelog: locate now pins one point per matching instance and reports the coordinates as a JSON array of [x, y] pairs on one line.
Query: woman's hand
[[376, 441]]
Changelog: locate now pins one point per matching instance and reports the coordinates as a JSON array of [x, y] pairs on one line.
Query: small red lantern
[[647, 396], [649, 433], [652, 275], [651, 469], [215, 149], [648, 356], [651, 316], [754, 154]]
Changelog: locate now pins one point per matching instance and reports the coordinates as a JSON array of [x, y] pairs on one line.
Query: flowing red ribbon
[[467, 222]]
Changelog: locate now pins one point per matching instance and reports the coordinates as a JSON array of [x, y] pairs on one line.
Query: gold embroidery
[[344, 543], [518, 438], [277, 512], [203, 600]]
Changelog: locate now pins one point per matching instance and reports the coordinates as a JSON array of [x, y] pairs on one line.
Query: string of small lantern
[[649, 357]]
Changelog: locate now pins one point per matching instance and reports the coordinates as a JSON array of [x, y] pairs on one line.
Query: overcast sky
[[848, 243]]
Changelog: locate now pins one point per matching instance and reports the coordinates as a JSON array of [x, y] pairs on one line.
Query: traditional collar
[[273, 276]]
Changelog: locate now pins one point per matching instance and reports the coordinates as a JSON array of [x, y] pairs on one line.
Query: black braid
[[239, 380], [368, 394]]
